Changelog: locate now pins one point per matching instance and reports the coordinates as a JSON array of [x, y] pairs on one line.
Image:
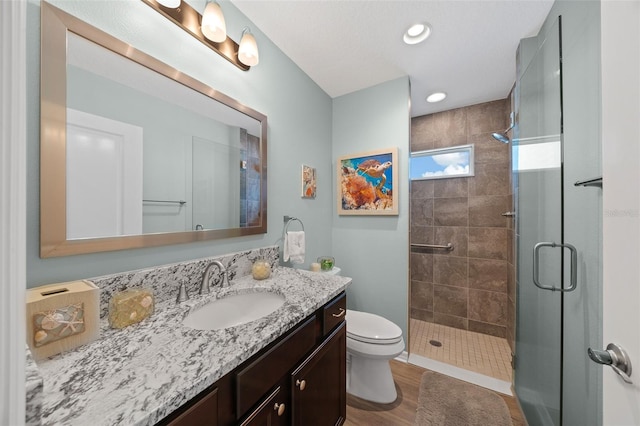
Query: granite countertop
[[140, 374]]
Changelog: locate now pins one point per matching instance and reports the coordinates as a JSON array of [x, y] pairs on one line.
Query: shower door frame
[[576, 324], [540, 211]]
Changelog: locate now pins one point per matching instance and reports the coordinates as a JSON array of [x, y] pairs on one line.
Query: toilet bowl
[[371, 342]]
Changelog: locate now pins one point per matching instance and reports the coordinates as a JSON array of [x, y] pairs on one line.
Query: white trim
[[403, 357], [462, 374], [12, 210], [620, 71]]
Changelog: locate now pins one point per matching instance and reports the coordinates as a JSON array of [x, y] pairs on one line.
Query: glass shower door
[[537, 149]]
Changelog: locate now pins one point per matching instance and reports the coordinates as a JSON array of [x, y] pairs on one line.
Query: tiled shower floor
[[472, 351]]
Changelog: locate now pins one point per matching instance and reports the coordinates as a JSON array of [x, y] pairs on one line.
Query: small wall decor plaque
[[367, 183], [308, 182]]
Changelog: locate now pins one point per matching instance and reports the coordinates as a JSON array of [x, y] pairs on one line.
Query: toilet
[[371, 342]]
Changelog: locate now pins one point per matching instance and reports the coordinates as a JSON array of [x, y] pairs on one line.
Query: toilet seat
[[370, 328]]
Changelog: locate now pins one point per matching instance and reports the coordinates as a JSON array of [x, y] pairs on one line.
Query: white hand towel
[[294, 247]]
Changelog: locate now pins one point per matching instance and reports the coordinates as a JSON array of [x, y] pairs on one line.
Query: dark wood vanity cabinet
[[318, 385], [198, 411], [300, 379]]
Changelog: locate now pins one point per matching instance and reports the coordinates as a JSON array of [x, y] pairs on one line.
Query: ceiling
[[348, 45]]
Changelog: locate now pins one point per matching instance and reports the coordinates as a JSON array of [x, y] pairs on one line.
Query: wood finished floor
[[403, 410]]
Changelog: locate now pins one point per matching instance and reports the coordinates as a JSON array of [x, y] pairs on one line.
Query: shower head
[[500, 137]]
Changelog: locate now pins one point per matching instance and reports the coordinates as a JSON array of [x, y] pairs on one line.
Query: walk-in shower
[[461, 245]]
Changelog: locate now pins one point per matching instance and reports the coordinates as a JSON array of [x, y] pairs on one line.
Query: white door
[[104, 176], [621, 203]]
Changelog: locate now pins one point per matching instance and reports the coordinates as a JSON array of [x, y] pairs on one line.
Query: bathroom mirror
[[133, 153]]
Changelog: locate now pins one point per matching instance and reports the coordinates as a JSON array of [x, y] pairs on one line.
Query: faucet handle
[[182, 293]]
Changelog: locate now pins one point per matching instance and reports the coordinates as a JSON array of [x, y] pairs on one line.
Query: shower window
[[442, 163]]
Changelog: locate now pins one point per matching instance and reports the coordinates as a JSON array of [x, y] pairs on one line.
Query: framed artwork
[[308, 182], [367, 183]]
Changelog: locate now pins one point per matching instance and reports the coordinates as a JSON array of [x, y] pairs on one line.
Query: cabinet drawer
[[255, 380], [272, 411], [334, 313], [203, 412]]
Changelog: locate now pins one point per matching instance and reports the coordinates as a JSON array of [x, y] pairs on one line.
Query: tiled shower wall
[[467, 287], [250, 180]]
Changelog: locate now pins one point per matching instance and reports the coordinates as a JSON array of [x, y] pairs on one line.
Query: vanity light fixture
[[248, 51], [417, 33], [436, 97], [209, 29], [213, 26]]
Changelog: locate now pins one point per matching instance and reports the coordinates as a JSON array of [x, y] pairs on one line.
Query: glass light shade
[[169, 3], [213, 25], [248, 50]]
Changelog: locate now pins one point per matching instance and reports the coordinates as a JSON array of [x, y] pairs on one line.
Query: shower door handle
[[616, 357], [536, 266]]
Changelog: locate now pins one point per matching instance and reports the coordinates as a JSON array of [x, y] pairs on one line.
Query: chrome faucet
[[206, 276]]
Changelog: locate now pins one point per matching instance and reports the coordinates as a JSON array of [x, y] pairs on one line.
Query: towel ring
[[288, 220]]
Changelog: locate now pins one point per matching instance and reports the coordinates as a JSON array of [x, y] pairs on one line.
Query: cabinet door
[[318, 385], [272, 411], [256, 379]]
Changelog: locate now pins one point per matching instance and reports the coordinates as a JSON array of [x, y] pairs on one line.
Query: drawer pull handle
[[342, 312], [279, 408], [301, 384]]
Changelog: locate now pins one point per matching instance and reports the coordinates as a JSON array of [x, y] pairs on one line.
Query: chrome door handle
[[616, 357], [536, 266]]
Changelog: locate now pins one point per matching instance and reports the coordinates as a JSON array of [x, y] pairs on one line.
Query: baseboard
[[488, 382], [403, 357]]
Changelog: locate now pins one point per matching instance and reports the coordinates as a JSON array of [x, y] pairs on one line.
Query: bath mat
[[445, 401]]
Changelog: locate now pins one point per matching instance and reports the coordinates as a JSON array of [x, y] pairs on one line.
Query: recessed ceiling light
[[417, 33], [436, 97]]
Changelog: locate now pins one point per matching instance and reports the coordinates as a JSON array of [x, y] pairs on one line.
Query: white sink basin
[[233, 310]]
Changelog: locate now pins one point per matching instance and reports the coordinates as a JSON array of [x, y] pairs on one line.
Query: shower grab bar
[[536, 266], [448, 247]]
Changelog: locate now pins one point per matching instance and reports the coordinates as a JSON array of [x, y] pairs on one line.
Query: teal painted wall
[[305, 127], [374, 250], [298, 111]]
